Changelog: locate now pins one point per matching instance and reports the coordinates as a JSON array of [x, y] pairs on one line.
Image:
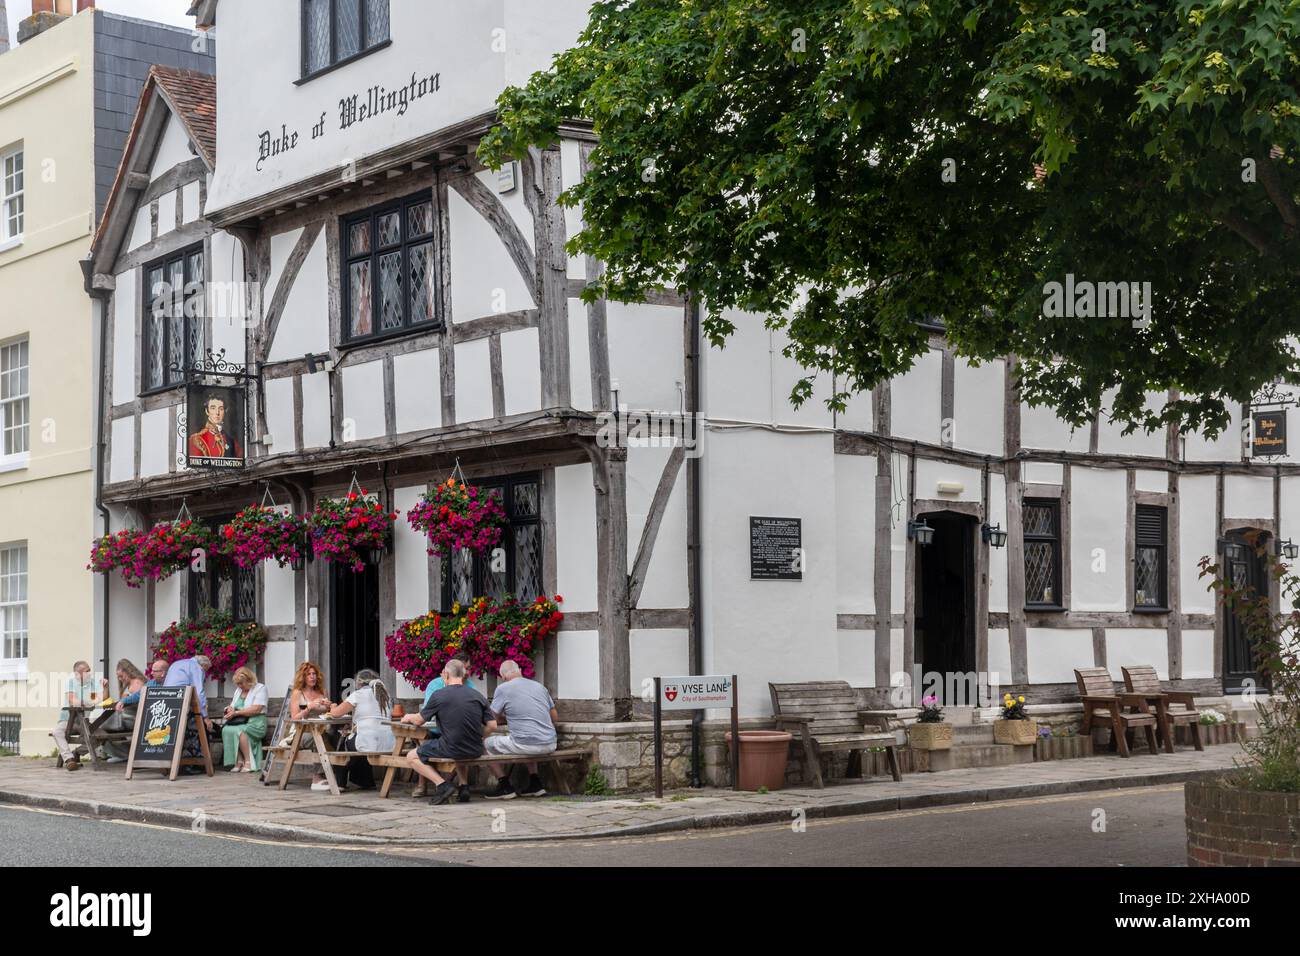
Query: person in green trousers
[[245, 727]]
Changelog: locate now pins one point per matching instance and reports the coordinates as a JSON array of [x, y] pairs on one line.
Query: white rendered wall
[[1098, 518]]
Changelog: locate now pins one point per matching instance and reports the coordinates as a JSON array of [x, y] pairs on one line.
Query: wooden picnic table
[[315, 727], [87, 733]]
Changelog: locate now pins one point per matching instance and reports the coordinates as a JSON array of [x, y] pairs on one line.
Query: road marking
[[597, 842]]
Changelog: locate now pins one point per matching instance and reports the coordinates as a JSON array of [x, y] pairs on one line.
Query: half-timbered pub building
[[380, 308]]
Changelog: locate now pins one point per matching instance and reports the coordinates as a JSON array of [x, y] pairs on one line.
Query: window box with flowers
[[930, 732], [151, 555], [487, 632], [352, 530], [1014, 726], [216, 635]]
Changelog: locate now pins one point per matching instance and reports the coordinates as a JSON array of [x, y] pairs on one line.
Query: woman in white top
[[371, 733], [245, 727]]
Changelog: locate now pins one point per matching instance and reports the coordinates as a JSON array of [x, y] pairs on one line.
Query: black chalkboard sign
[[1268, 436], [162, 717], [775, 549]]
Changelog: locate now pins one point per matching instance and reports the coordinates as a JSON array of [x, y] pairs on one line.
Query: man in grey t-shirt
[[526, 706]]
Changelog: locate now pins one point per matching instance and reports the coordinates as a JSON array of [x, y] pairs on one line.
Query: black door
[[945, 601], [1243, 569], [354, 623]]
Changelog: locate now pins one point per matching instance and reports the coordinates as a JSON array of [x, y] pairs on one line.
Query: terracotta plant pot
[[930, 736], [763, 755], [1020, 733]]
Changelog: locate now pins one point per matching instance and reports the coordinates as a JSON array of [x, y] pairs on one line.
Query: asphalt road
[[1142, 827]]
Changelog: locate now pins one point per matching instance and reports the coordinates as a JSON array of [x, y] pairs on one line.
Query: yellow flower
[[1022, 700]]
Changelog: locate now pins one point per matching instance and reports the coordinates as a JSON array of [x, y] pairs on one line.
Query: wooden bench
[[826, 717], [412, 734], [1102, 704], [1173, 707]]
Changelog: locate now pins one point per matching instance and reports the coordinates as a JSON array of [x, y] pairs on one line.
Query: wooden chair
[[826, 718], [1102, 704], [1174, 706]]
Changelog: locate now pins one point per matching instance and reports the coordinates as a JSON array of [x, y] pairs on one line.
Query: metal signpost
[[697, 692]]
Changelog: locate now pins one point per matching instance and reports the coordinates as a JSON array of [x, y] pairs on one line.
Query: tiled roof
[[193, 97]]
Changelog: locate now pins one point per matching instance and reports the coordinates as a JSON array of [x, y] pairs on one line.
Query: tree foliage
[[787, 157]]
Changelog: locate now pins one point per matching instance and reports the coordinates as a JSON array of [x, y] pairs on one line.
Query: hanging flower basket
[[488, 632], [455, 515], [214, 634], [259, 533], [152, 555], [350, 530]]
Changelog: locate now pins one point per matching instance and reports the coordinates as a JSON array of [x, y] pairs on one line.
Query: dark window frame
[[1055, 540], [364, 47], [507, 484], [184, 254], [347, 259], [1159, 544], [210, 579]]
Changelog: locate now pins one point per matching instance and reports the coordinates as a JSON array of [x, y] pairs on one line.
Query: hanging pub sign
[[775, 549], [216, 405], [1268, 434]]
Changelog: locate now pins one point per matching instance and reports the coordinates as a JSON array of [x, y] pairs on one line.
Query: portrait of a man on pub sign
[[218, 413]]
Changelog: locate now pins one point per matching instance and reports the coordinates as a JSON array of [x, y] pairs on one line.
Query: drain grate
[[336, 810]]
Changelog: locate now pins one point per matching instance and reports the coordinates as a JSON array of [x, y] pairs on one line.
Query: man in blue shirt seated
[[192, 672]]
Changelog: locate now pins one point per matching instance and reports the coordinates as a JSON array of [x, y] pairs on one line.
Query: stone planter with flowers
[[930, 732], [1013, 725]]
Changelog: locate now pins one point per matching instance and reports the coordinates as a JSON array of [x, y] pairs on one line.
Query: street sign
[[696, 692], [693, 693], [1268, 435]]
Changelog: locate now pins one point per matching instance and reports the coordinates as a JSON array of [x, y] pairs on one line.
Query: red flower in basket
[[454, 516]]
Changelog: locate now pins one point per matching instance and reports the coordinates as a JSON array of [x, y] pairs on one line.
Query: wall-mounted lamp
[[321, 362], [920, 531], [1288, 549], [994, 535]]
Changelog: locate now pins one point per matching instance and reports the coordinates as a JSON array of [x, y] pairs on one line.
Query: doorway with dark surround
[[945, 600], [354, 623]]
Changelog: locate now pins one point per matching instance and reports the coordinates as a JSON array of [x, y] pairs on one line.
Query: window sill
[[422, 329], [15, 671], [7, 244], [14, 463], [342, 63], [1150, 610], [1046, 607]]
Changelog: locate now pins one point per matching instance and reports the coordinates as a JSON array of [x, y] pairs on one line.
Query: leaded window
[[1150, 558], [390, 271], [336, 31], [513, 568], [173, 318], [225, 586], [1041, 518]]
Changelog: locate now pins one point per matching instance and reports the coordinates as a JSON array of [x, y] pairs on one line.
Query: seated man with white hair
[[526, 706]]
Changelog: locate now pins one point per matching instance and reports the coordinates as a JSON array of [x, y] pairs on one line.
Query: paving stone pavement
[[239, 804]]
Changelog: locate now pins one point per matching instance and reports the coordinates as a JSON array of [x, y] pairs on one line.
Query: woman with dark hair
[[368, 705]]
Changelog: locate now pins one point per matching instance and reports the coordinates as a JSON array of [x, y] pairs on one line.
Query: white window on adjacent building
[[13, 610], [15, 412], [11, 196]]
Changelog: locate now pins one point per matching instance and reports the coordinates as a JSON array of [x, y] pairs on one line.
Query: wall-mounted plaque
[[775, 549]]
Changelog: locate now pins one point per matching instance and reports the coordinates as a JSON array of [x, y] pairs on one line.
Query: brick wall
[[1227, 826]]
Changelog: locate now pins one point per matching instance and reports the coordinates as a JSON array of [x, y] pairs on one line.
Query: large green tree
[[846, 167]]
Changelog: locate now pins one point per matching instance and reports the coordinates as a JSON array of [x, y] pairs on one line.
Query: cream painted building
[[67, 93]]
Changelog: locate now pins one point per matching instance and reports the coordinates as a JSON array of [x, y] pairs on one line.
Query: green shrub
[[596, 784]]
